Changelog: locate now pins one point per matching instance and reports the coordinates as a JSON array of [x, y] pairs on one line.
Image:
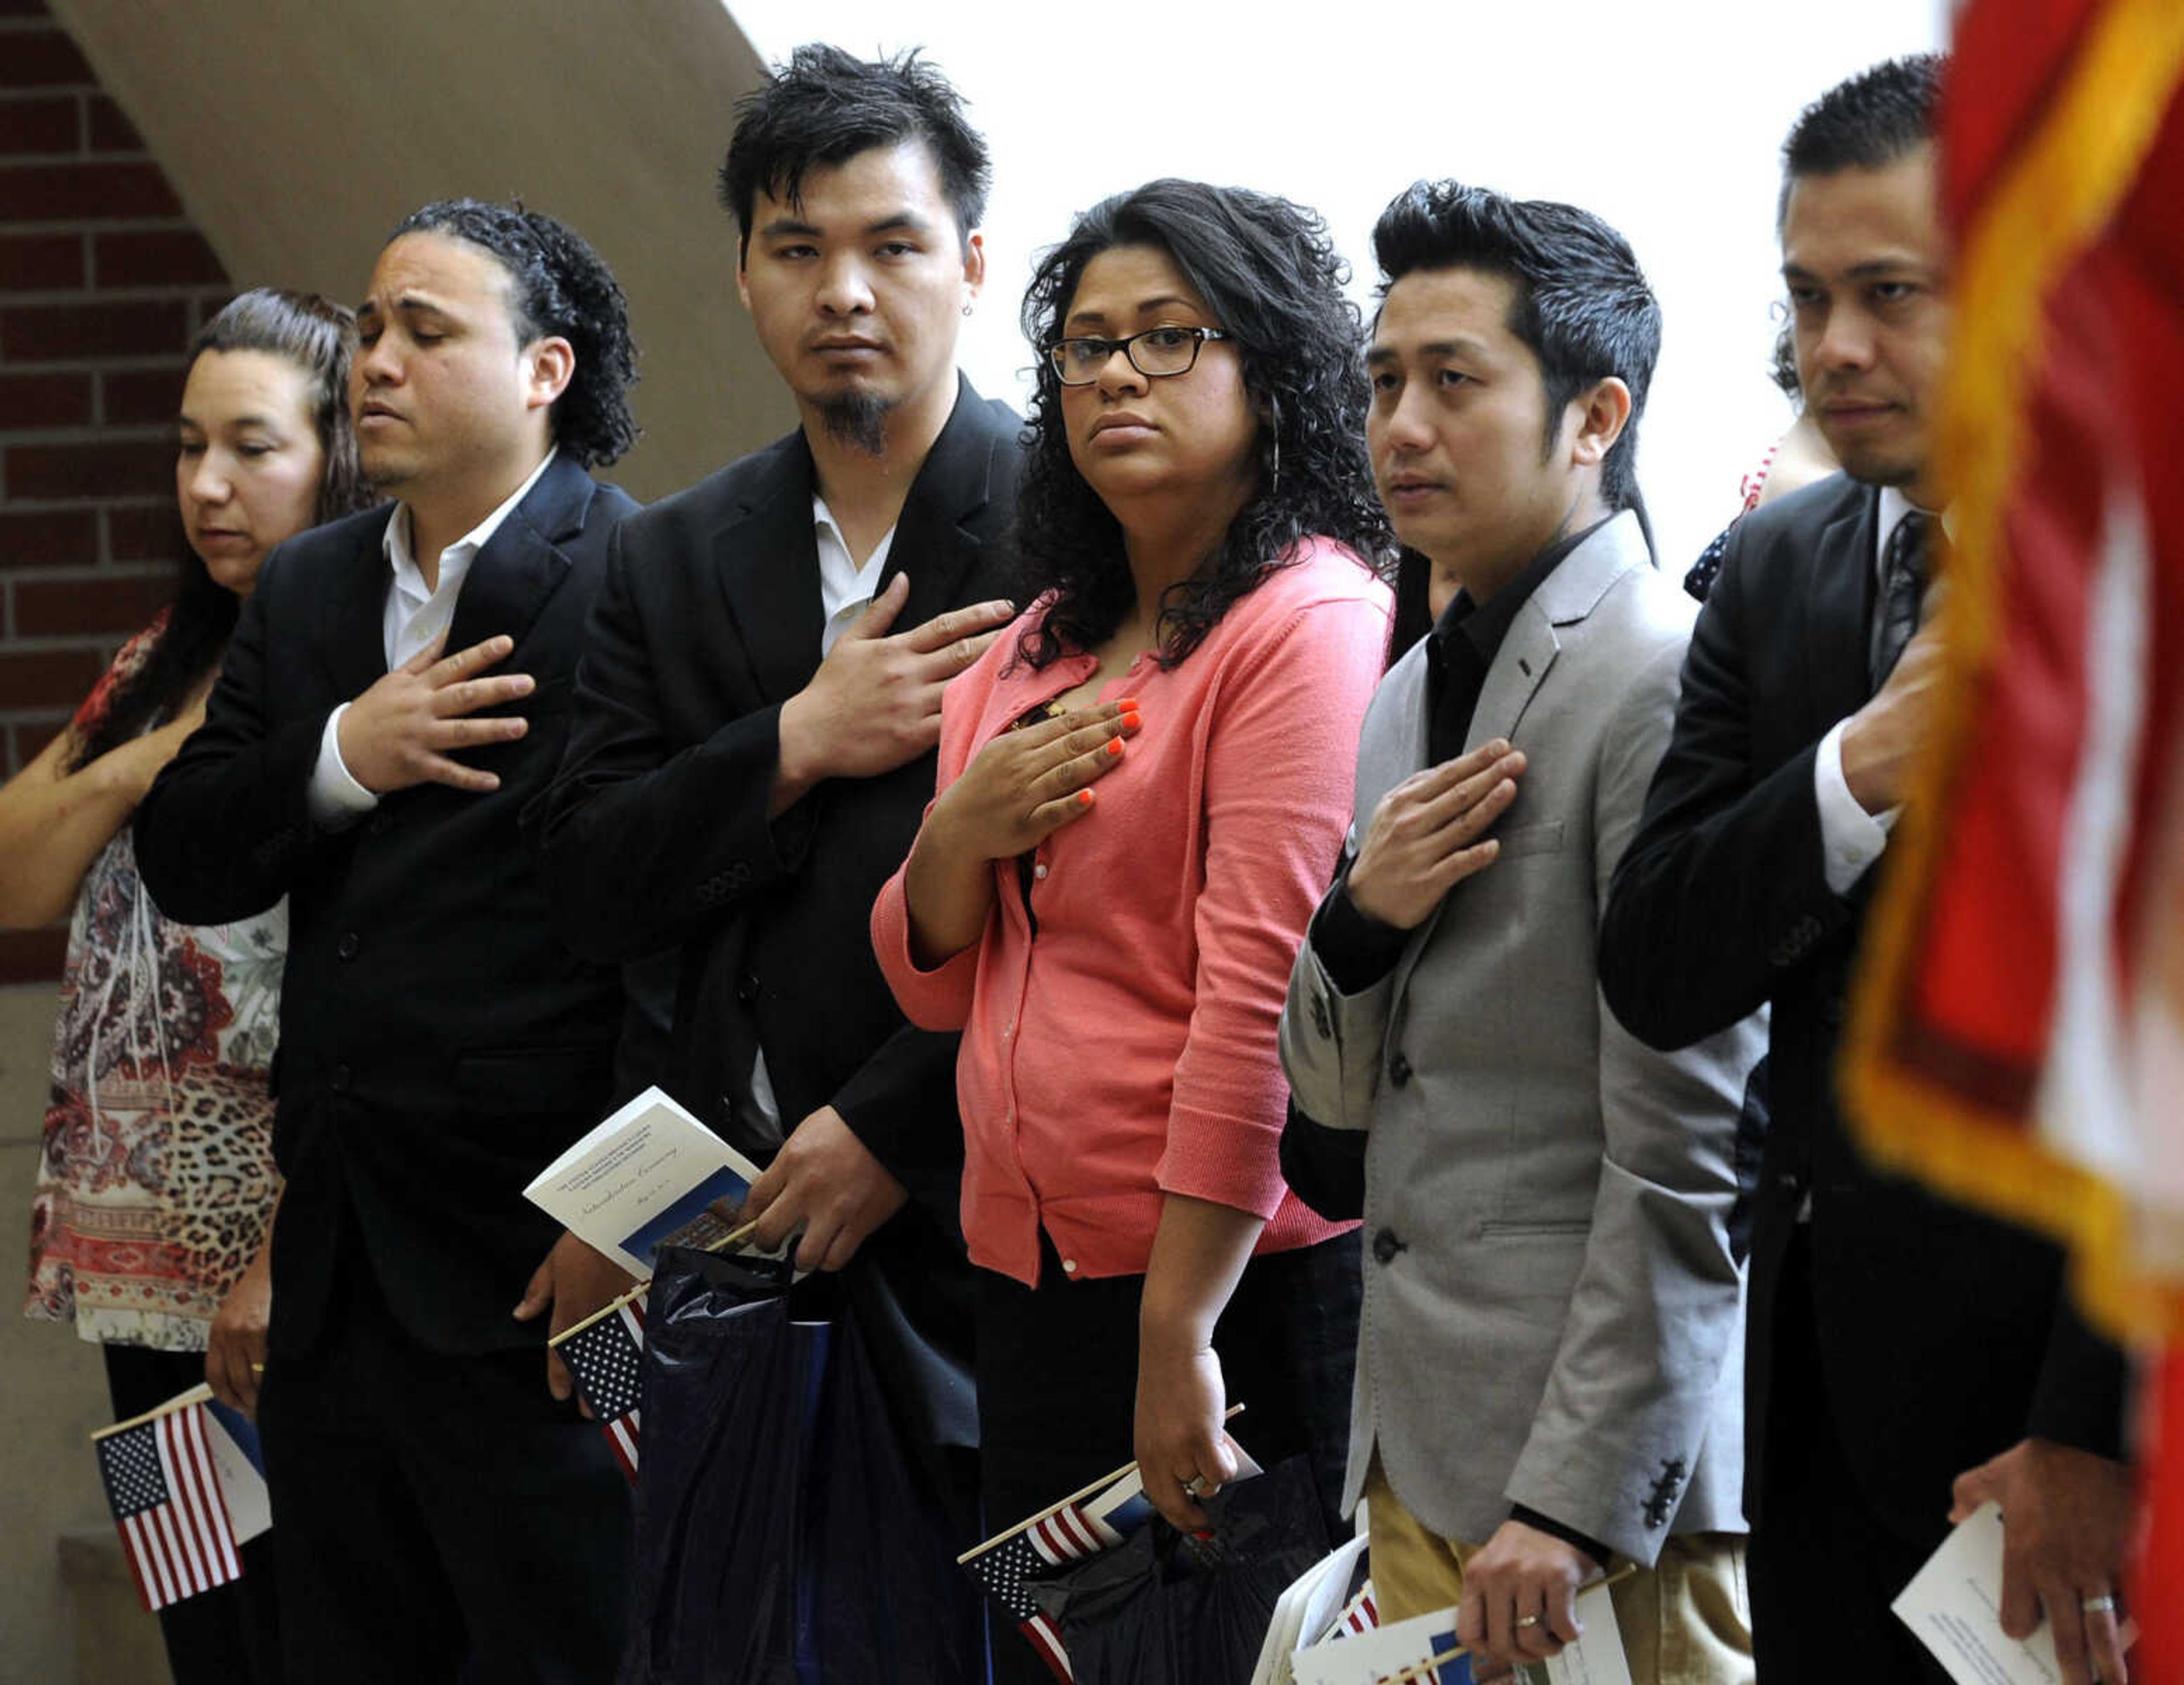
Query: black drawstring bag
[[781, 1538], [1164, 1608]]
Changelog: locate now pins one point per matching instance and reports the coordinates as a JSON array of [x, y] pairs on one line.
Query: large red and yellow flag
[[2018, 1039]]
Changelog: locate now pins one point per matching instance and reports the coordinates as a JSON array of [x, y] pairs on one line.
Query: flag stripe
[[144, 1551], [204, 1509], [191, 1519], [137, 1569], [1040, 1631]]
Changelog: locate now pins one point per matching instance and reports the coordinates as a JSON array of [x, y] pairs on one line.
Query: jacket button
[[1399, 1071], [380, 823], [747, 989], [341, 1078], [347, 947], [1385, 1246]]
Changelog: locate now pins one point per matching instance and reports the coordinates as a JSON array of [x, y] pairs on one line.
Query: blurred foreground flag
[[2018, 1039]]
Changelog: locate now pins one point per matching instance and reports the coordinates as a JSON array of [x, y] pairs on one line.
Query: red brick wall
[[103, 281]]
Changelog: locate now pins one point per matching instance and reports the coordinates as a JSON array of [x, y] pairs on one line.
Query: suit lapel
[[355, 650], [522, 563], [933, 539], [767, 559], [1839, 593]]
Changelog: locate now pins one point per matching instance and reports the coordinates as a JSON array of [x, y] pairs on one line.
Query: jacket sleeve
[[640, 841], [1724, 885], [901, 1105], [1331, 1043], [225, 826], [1658, 1308]]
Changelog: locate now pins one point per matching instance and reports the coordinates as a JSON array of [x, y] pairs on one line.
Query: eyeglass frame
[[1200, 338]]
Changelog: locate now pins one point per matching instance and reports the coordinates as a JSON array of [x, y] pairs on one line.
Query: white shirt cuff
[[1850, 838], [335, 798]]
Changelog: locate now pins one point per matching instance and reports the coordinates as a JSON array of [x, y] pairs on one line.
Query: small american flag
[[167, 1503], [606, 1359], [1068, 1533], [1360, 1614]]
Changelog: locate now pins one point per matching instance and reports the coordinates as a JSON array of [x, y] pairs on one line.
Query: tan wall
[[298, 131]]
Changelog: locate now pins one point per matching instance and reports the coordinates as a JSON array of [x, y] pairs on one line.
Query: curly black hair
[[319, 337], [560, 286], [1271, 276]]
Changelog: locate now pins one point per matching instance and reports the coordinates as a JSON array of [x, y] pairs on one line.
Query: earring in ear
[[966, 309]]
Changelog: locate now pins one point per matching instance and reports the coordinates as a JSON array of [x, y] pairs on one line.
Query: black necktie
[[1903, 587]]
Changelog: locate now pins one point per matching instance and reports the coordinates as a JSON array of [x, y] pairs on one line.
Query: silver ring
[[1528, 1620], [1195, 1487], [2103, 1604]]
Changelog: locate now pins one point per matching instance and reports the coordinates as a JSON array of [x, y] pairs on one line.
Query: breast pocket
[[1544, 838]]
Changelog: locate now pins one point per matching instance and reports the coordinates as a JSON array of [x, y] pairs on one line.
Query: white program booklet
[[651, 1175], [1954, 1605], [1386, 1653]]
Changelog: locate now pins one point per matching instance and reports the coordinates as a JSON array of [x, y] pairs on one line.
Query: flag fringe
[[2046, 209]]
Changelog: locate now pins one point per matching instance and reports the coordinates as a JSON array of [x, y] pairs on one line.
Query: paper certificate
[[648, 1176], [1954, 1605]]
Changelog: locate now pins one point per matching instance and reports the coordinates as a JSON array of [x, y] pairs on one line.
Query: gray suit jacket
[[1552, 1315]]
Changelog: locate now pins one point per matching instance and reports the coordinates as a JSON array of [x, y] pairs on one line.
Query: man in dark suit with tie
[[759, 697], [439, 1512], [1907, 1358]]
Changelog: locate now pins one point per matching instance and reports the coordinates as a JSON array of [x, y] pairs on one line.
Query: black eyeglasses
[[1156, 354]]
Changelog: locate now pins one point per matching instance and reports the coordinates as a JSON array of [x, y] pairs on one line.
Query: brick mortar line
[[86, 573], [83, 154], [136, 292]]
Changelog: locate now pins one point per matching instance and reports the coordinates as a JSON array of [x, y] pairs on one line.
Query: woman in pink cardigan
[[1143, 789]]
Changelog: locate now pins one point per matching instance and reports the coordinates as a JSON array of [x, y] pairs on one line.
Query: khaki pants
[[1686, 1620]]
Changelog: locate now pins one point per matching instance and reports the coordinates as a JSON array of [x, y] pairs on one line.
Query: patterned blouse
[[156, 1180]]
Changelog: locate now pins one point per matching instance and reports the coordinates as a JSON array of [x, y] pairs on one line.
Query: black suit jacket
[[656, 832], [1946, 1336], [439, 1044]]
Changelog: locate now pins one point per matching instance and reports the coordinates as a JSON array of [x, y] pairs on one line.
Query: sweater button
[[347, 947], [1039, 870], [1385, 1246], [1069, 1265], [1399, 1071]]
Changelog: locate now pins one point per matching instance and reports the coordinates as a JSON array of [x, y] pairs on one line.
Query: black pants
[[1823, 1568], [1058, 1376], [437, 1517], [232, 1634]]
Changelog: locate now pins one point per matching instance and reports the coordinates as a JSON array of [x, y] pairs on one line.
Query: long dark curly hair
[[319, 337], [1271, 276], [558, 286]]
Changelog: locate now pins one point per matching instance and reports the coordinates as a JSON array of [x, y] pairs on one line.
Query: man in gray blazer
[[1548, 1365]]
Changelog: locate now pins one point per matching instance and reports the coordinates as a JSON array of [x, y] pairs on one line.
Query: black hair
[[824, 107], [1273, 280], [558, 286], [1865, 123], [1583, 306], [319, 337]]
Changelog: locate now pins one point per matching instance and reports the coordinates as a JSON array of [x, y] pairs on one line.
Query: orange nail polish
[[1083, 798], [1114, 746], [1130, 722], [1128, 704]]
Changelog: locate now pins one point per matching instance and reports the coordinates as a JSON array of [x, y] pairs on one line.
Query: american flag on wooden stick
[[1009, 1567], [605, 1355], [167, 1504]]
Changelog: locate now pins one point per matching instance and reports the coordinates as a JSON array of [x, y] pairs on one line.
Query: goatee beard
[[858, 419]]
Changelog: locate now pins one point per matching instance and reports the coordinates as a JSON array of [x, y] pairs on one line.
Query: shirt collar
[[842, 582], [1485, 624], [456, 558]]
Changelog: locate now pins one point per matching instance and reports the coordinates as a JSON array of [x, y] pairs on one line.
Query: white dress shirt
[[416, 614], [845, 591], [1850, 838]]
